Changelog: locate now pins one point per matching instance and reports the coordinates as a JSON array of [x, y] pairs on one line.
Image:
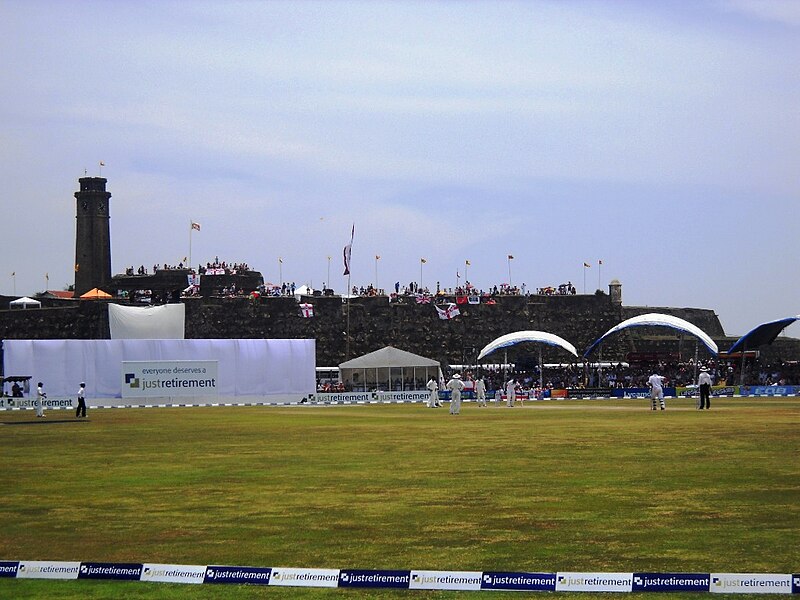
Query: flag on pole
[[422, 260], [348, 251], [195, 226], [599, 262], [307, 310], [377, 257], [587, 265], [14, 274], [448, 312], [102, 163], [510, 257]]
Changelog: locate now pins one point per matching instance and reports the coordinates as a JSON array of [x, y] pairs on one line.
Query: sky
[[661, 138]]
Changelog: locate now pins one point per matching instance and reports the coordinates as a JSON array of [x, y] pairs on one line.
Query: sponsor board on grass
[[8, 568], [223, 574], [304, 577], [163, 573], [531, 582], [445, 580], [364, 578], [671, 582], [751, 583], [43, 569], [103, 570], [594, 582]]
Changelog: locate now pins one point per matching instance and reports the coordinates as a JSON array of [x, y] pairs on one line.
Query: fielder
[[656, 390], [480, 391], [433, 400]]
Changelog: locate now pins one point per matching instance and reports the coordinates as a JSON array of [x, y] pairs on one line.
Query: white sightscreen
[[147, 323], [245, 367]]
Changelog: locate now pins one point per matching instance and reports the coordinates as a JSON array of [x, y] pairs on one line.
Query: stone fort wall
[[374, 323]]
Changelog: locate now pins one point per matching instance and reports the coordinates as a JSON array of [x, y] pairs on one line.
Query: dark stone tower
[[92, 237]]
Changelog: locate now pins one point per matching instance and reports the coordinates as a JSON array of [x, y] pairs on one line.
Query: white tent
[[658, 320], [303, 290], [24, 303], [389, 369]]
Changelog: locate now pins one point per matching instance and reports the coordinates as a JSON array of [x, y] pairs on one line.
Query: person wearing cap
[[704, 381], [40, 396], [455, 385], [81, 412], [656, 390]]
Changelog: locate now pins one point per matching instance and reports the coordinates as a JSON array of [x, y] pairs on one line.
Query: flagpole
[[421, 262], [329, 272], [509, 270], [191, 228], [14, 278], [347, 344], [280, 270], [599, 269], [377, 258], [584, 278], [466, 271]]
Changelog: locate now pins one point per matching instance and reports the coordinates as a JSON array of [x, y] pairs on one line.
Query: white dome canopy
[[510, 339], [658, 320]]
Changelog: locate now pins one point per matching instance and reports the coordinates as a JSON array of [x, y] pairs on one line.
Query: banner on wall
[[151, 379]]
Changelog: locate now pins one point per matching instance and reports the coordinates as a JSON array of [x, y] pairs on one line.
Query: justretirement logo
[[169, 378], [753, 583]]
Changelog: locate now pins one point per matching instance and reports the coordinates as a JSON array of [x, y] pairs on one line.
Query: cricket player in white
[[656, 390], [40, 396], [480, 391], [433, 400], [511, 392], [455, 385]]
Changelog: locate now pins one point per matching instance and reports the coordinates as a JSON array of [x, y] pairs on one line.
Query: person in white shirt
[[81, 410], [455, 385], [511, 392], [40, 396], [433, 400], [656, 390], [480, 391], [704, 381]]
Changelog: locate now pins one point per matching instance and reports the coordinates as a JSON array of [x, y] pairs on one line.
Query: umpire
[[704, 381]]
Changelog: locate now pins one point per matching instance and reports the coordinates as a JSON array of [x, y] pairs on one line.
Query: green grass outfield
[[555, 486]]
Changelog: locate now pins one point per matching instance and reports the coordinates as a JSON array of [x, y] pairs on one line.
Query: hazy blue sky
[[662, 138]]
